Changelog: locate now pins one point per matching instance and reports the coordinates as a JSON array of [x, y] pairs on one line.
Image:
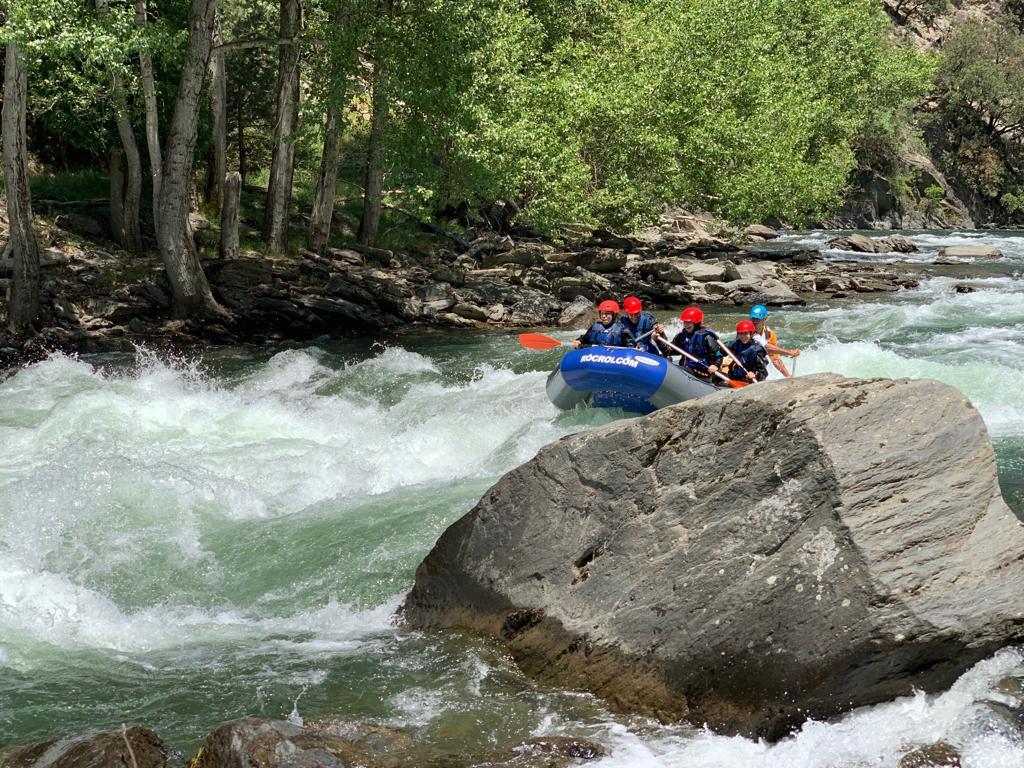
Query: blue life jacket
[[701, 344], [614, 335], [752, 357], [644, 324]]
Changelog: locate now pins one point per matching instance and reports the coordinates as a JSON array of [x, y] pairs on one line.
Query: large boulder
[[970, 252], [136, 747], [854, 243], [747, 560]]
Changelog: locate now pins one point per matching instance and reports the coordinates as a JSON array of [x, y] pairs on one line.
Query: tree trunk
[[117, 195], [218, 120], [23, 307], [323, 205], [374, 184], [152, 115], [229, 216], [128, 234], [243, 165], [282, 166], [192, 295]]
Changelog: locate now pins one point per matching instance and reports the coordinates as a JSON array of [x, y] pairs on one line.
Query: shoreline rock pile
[[96, 300]]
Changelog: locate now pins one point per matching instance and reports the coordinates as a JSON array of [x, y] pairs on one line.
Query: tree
[[282, 166], [23, 309], [191, 291]]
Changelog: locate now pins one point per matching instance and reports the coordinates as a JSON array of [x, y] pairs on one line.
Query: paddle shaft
[[730, 355], [691, 358]]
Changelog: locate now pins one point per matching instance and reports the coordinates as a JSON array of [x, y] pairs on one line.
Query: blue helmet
[[759, 312]]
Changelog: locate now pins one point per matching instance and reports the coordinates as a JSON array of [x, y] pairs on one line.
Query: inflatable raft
[[615, 377]]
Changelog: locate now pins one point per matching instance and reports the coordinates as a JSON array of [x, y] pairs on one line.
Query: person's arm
[[711, 345], [582, 340], [775, 349]]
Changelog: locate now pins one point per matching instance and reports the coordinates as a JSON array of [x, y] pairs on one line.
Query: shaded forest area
[[302, 123]]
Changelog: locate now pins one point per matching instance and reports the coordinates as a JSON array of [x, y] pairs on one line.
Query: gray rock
[[99, 750], [705, 271], [80, 224], [895, 244], [855, 243], [937, 755], [751, 270], [533, 309], [750, 559], [470, 311], [321, 744], [666, 270], [773, 293], [578, 313], [601, 260], [970, 252], [761, 231], [525, 257]]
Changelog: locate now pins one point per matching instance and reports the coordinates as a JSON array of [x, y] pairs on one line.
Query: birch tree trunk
[[282, 165], [192, 295], [23, 307], [374, 181], [218, 120], [327, 183], [229, 216], [152, 115]]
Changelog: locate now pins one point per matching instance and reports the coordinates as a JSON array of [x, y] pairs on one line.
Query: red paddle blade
[[538, 341], [738, 384]]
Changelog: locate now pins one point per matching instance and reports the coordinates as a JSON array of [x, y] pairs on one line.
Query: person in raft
[[766, 337], [607, 331], [641, 324], [751, 355], [698, 341]]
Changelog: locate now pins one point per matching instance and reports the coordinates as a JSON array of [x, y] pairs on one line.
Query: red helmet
[[692, 315], [608, 306], [745, 326], [632, 304]]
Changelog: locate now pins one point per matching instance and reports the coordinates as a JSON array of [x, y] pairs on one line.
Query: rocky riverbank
[[98, 299], [323, 743]]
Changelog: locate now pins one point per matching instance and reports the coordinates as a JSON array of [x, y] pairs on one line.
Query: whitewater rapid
[[184, 541]]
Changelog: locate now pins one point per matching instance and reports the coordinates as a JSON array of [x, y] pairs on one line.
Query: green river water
[[184, 542]]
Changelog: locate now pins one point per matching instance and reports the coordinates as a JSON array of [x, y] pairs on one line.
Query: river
[[187, 541]]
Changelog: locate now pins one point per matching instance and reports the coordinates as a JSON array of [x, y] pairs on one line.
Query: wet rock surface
[[747, 560], [134, 747]]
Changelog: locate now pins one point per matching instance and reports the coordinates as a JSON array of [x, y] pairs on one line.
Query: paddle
[[540, 341], [730, 355], [691, 358]]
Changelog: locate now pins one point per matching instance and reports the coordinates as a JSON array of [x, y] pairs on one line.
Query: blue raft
[[616, 377]]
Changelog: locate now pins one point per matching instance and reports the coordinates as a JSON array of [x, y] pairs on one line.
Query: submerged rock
[[748, 560], [135, 747], [937, 755], [322, 744], [969, 252]]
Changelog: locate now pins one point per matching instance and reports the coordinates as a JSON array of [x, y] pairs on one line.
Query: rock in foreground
[[134, 747], [748, 560]]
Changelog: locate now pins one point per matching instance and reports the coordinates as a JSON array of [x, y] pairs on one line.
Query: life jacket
[[751, 357], [644, 324], [697, 343], [614, 335]]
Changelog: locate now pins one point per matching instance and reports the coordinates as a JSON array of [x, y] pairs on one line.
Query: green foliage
[[980, 82], [747, 109], [934, 193]]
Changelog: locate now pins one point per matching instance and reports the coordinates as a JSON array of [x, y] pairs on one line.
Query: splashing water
[[185, 542]]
